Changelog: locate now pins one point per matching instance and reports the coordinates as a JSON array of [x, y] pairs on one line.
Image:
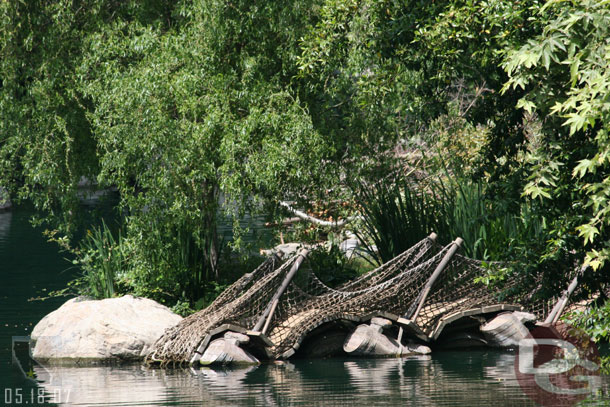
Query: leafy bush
[[395, 216], [595, 321]]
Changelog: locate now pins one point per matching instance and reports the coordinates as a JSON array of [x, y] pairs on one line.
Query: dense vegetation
[[483, 119]]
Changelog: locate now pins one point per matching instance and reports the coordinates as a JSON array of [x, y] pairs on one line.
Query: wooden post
[[433, 236], [270, 309], [563, 301], [437, 272], [274, 304]]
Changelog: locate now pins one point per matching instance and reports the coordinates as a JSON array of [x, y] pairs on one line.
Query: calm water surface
[[30, 267]]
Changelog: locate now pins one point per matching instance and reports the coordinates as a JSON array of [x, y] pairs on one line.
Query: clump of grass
[[397, 213], [395, 216], [101, 259]]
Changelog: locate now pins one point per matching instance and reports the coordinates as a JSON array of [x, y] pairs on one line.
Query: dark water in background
[[30, 267]]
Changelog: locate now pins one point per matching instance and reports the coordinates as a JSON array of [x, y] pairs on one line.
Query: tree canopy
[[188, 108]]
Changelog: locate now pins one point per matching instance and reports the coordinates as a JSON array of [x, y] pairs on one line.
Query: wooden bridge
[[428, 295]]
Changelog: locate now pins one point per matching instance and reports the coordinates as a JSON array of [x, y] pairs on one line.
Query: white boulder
[[83, 330]]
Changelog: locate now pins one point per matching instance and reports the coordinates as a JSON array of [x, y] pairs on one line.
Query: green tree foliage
[[194, 108], [179, 106], [45, 139], [565, 74], [383, 70]]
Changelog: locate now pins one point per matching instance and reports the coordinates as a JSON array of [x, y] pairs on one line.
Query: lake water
[[30, 267]]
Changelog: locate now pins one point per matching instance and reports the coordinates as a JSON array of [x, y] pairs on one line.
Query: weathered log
[[369, 340], [227, 350], [320, 222], [505, 331]]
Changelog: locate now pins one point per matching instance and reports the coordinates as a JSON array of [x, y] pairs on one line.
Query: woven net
[[395, 288]]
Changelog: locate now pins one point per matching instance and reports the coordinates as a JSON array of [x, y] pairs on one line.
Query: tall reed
[[101, 260], [398, 213]]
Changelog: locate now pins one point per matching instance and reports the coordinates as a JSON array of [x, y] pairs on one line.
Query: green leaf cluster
[[565, 74]]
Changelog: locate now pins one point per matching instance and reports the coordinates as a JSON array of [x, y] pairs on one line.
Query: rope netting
[[243, 300], [461, 288], [395, 287]]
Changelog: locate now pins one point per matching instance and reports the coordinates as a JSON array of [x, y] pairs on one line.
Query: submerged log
[[369, 340], [505, 330], [227, 350]]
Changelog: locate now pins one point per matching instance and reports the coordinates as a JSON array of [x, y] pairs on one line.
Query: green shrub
[[396, 215]]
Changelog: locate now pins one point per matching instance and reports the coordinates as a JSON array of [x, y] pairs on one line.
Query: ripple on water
[[5, 227]]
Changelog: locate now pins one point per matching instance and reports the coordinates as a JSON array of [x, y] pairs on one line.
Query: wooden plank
[[501, 307], [259, 337], [557, 310], [380, 314], [412, 328]]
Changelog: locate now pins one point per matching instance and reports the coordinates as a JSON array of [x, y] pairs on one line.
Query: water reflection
[[5, 225], [455, 379]]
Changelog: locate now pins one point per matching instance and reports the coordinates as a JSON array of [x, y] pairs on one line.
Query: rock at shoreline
[[114, 329]]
